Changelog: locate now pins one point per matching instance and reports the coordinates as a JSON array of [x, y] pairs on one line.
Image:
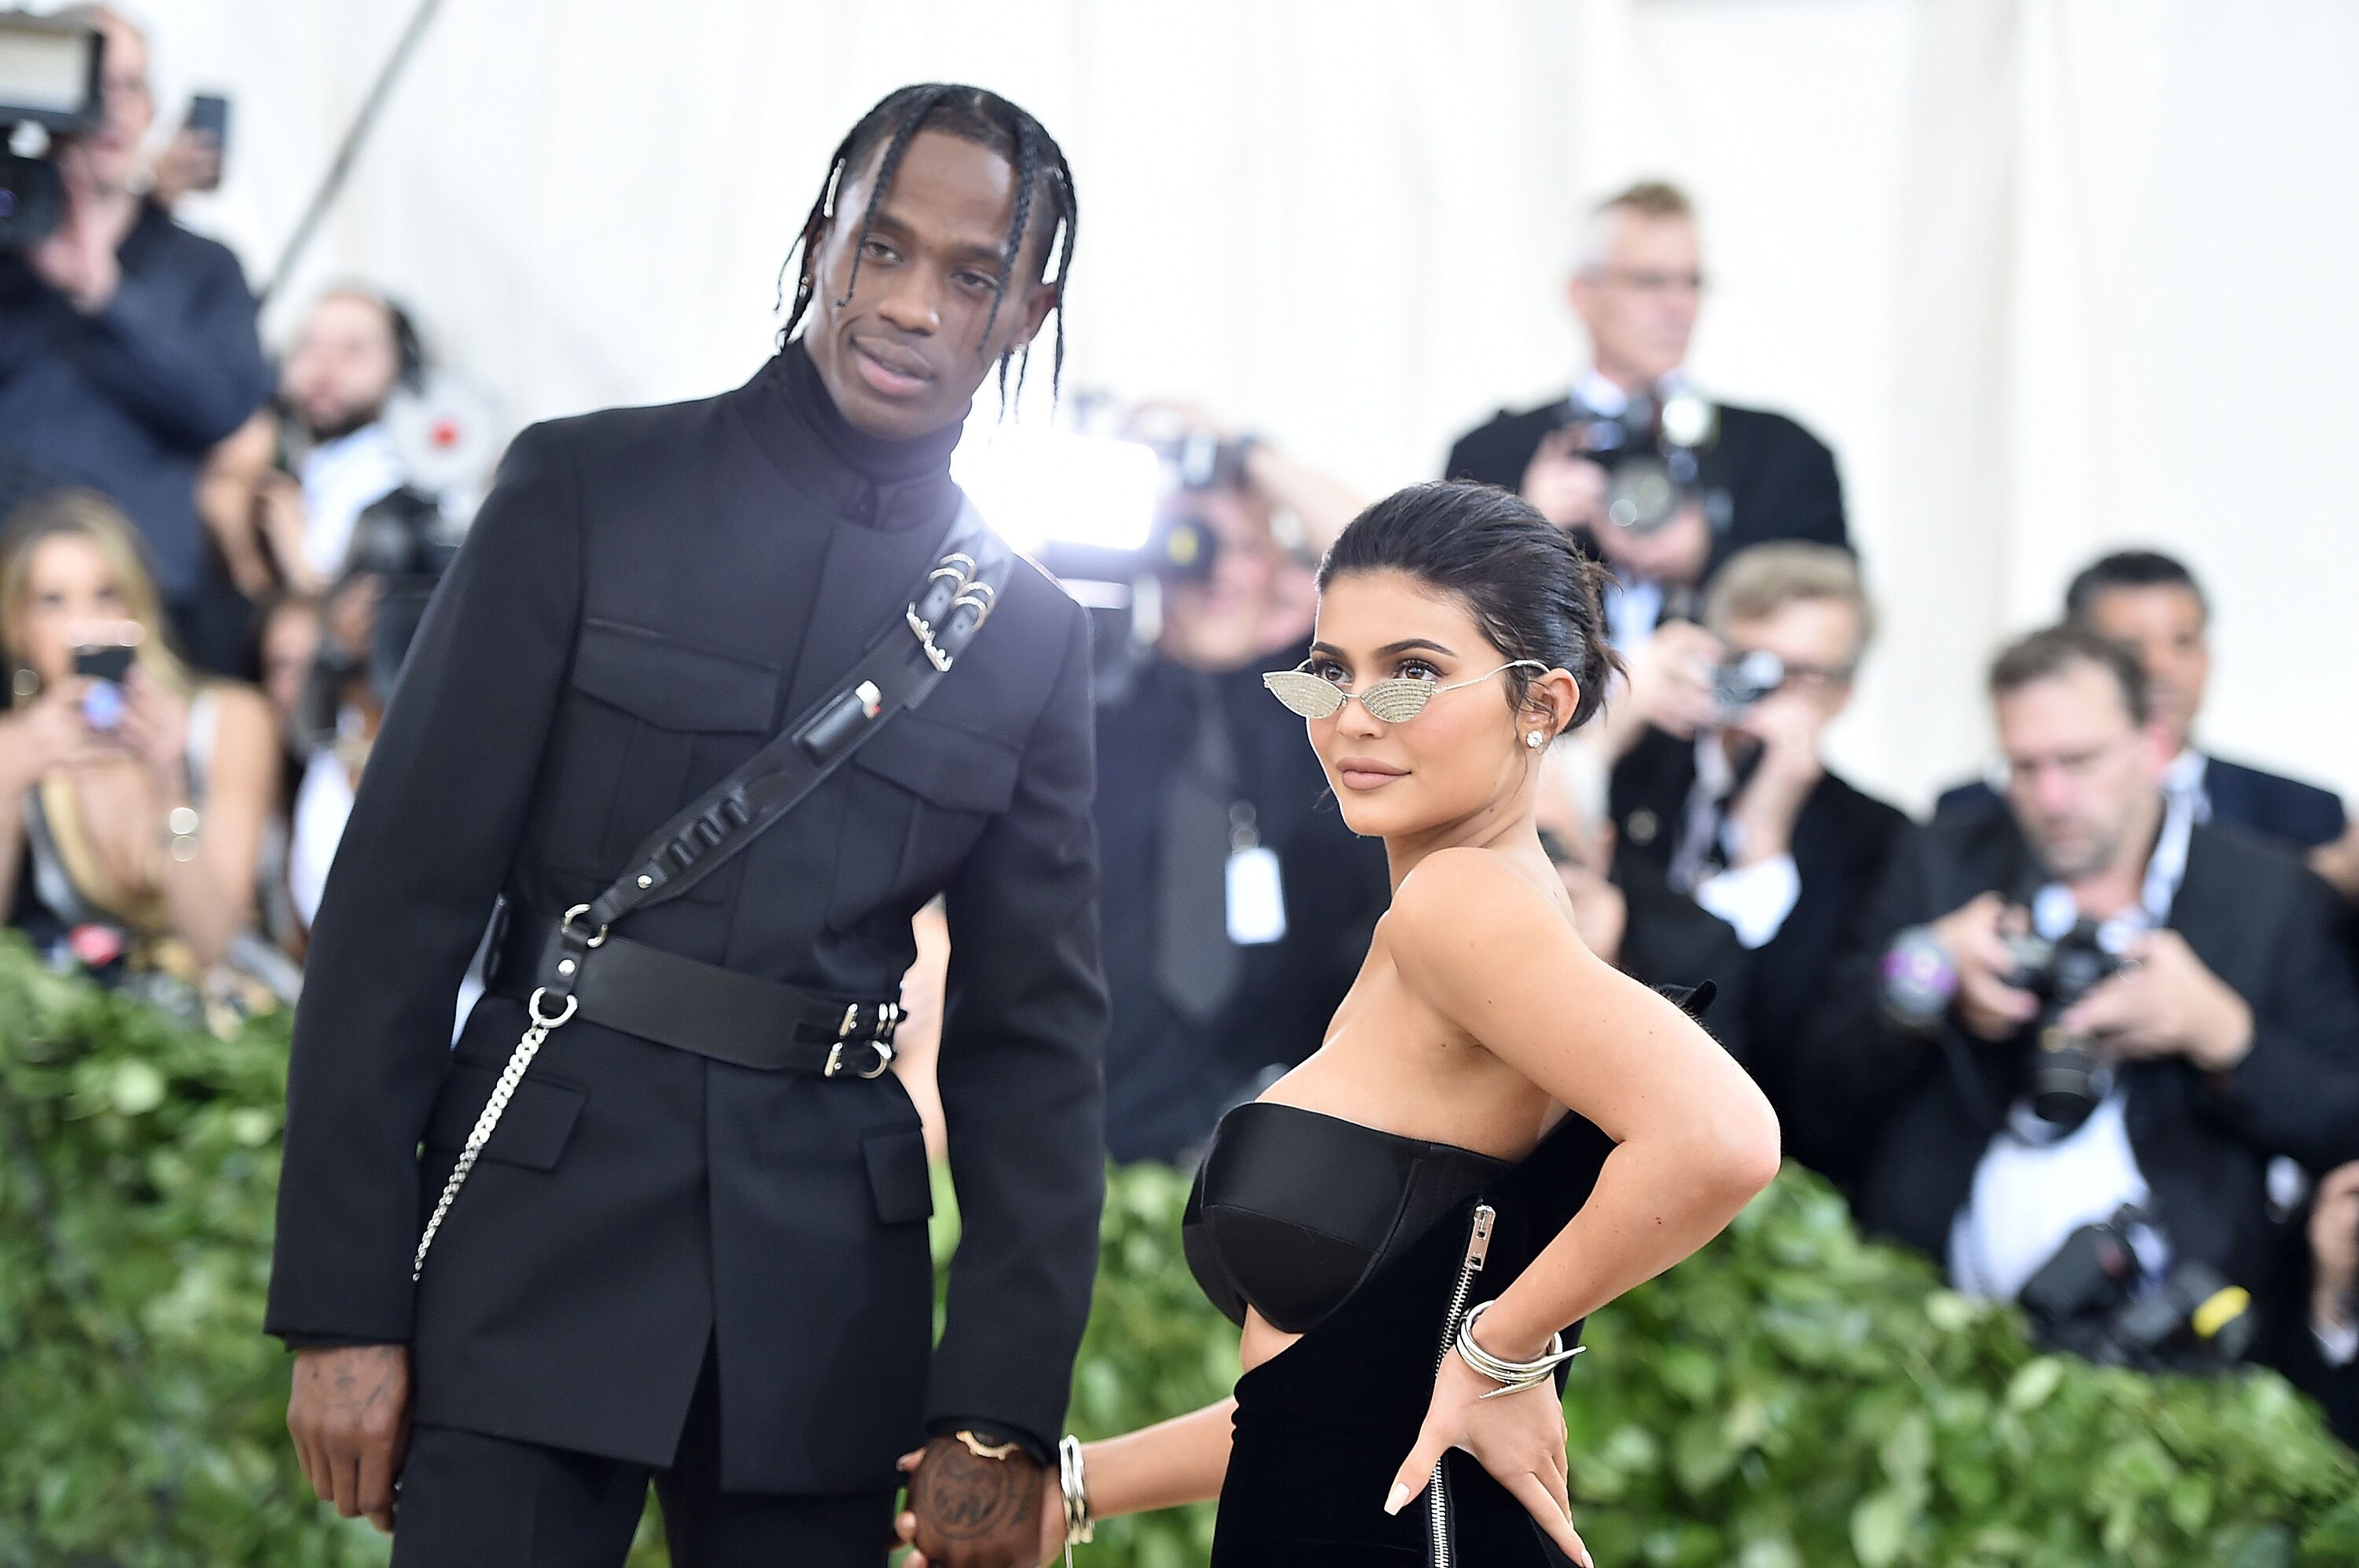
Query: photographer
[[1737, 476], [1722, 788], [127, 350], [292, 524], [2314, 1333], [132, 797], [1236, 905], [2084, 1001], [2151, 604]]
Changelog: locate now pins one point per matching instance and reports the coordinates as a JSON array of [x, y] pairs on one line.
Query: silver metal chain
[[502, 1092]]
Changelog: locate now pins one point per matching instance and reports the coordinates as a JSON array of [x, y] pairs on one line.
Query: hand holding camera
[[44, 737], [1978, 937], [2164, 1002], [1563, 484]]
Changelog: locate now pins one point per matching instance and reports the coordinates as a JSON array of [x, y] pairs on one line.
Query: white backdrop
[[2051, 276]]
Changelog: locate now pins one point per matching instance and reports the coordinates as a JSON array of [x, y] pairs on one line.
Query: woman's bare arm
[[210, 898], [1695, 1140], [1160, 1466]]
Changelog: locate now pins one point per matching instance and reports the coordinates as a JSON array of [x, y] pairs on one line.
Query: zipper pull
[[1478, 1240]]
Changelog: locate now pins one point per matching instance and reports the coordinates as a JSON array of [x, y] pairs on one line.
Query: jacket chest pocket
[[646, 724], [919, 795]]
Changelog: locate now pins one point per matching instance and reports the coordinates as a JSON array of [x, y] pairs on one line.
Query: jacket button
[[1644, 826]]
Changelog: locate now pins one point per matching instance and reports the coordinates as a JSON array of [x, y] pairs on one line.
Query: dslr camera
[[2093, 1300], [402, 545], [2060, 972], [51, 86], [1654, 457]]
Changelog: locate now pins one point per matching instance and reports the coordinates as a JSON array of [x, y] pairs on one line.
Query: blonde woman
[[137, 805]]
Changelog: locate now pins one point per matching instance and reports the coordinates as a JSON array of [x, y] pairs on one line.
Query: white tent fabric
[[2051, 276]]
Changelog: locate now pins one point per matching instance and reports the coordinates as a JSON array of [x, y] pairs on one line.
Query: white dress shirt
[[341, 479]]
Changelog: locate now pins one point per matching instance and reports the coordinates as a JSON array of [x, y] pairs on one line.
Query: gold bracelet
[[983, 1450]]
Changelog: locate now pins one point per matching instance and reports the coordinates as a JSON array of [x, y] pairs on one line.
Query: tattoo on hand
[[964, 1497]]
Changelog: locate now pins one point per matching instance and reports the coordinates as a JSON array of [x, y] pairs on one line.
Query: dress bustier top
[[1293, 1208]]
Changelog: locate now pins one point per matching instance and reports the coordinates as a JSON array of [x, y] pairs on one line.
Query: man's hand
[[1671, 679], [2334, 1248], [350, 1418], [2166, 1003], [1973, 933], [78, 257], [1675, 553], [1565, 487], [1788, 725], [191, 160], [974, 1512]]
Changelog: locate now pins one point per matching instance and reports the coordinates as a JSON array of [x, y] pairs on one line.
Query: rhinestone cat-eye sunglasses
[[1393, 701]]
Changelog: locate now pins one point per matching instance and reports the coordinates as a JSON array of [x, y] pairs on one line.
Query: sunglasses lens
[[1396, 701], [1312, 696]]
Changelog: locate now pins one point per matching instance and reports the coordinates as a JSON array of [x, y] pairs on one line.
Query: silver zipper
[[1478, 1246]]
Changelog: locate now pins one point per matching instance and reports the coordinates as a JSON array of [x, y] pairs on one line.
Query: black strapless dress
[[1358, 1240]]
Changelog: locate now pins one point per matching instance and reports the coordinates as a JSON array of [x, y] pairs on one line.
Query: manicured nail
[[1399, 1494]]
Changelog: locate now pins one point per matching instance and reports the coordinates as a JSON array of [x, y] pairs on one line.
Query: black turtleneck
[[872, 481]]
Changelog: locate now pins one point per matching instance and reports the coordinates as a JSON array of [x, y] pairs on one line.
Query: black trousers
[[473, 1501]]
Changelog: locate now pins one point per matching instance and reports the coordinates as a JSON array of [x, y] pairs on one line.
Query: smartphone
[[209, 116], [107, 664]]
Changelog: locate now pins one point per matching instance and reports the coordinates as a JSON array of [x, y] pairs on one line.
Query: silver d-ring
[[539, 994], [578, 910]]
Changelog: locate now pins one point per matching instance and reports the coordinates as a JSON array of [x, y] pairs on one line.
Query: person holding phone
[[132, 795]]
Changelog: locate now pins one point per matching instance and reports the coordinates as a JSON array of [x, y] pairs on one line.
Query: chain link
[[502, 1092]]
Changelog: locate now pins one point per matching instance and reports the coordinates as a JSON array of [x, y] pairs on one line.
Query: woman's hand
[[46, 735], [1518, 1438], [155, 729], [1052, 1520]]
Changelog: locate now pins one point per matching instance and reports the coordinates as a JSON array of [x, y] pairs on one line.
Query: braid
[[1028, 164], [924, 101], [976, 116]]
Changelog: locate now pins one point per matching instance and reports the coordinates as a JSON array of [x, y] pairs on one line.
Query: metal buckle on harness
[[934, 655], [888, 1019]]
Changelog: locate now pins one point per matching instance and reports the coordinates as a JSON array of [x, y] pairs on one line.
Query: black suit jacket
[[1842, 839], [1667, 940], [2265, 926], [1167, 1078], [2283, 810], [1779, 478], [645, 597]]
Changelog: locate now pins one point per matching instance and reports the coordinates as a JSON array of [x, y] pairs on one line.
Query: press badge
[[1256, 901]]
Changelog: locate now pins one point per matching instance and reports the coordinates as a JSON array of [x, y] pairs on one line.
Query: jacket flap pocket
[[950, 767], [670, 684], [532, 1130], [897, 1177]]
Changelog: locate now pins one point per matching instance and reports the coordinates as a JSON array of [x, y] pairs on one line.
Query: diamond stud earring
[[1534, 739]]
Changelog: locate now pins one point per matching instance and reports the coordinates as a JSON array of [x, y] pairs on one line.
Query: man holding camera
[[2085, 1011], [1665, 485], [127, 347], [2152, 604], [1236, 906], [1722, 786]]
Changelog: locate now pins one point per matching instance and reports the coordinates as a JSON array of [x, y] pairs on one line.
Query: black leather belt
[[697, 1006]]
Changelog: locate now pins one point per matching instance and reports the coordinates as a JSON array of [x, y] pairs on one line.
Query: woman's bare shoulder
[[1458, 894]]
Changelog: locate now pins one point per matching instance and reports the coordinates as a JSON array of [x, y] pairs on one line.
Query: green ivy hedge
[[1791, 1397]]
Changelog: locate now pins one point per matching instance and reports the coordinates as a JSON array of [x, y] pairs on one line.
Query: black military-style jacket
[[644, 598]]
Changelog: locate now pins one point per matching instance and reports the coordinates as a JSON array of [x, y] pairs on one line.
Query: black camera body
[[2060, 972], [51, 76], [402, 545], [2092, 1301], [1654, 456]]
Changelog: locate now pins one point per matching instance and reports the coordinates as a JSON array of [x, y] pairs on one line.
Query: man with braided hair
[[670, 1265]]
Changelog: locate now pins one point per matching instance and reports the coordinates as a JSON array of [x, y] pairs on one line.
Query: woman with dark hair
[[1501, 1133]]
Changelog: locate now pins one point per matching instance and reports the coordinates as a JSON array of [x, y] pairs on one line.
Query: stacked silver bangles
[[1513, 1377], [1080, 1529]]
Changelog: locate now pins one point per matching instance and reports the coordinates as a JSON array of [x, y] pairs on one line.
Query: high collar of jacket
[[864, 479]]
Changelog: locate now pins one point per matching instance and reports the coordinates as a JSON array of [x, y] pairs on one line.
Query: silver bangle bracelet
[[1513, 1377], [1073, 1482]]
